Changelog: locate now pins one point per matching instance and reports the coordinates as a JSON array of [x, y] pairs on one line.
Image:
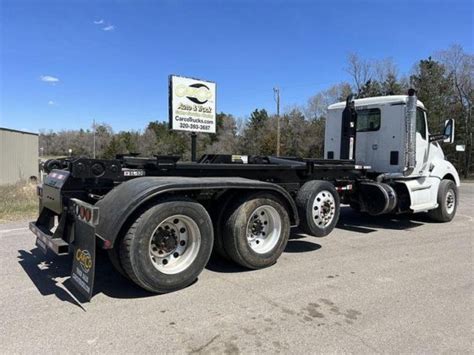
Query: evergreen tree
[[434, 90]]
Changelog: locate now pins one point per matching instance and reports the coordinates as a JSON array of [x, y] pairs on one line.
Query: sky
[[65, 63]]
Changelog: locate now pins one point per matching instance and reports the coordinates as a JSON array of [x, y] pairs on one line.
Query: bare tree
[[384, 68], [317, 105], [359, 69], [147, 144], [227, 139]]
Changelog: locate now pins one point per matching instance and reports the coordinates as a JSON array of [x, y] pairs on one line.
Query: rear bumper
[[45, 240], [83, 219]]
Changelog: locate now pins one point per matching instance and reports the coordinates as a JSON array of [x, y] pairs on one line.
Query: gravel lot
[[374, 285]]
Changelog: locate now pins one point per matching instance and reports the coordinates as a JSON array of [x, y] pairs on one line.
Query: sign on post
[[192, 104]]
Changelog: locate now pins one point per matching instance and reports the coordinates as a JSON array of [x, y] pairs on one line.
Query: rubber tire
[[114, 257], [221, 206], [134, 248], [235, 234], [440, 214], [304, 202]]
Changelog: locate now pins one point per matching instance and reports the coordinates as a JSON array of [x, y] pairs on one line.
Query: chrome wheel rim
[[174, 244], [450, 201], [324, 208], [264, 229]]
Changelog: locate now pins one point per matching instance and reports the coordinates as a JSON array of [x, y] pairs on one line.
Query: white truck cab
[[390, 134]]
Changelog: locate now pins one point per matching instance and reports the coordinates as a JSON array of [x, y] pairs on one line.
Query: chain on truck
[[160, 219]]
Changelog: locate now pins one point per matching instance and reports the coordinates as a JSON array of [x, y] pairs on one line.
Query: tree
[[370, 88], [103, 134], [317, 105], [294, 133], [434, 90], [147, 145], [129, 140], [257, 134], [115, 146], [460, 66], [168, 141], [359, 69], [225, 141], [391, 86], [374, 78], [258, 118]]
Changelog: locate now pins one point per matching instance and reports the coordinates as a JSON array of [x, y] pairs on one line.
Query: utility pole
[[276, 96], [93, 146]]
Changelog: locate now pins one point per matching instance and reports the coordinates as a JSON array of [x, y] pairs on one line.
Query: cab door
[[422, 142]]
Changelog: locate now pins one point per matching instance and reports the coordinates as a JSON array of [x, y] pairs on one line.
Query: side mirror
[[448, 134], [449, 131]]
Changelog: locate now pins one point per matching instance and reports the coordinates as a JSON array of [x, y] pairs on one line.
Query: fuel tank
[[377, 198]]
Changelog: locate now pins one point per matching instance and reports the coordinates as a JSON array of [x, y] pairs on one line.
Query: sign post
[[193, 146], [192, 107]]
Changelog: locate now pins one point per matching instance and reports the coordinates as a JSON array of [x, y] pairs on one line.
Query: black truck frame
[[88, 203]]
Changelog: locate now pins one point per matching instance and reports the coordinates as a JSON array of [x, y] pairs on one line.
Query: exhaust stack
[[410, 130], [348, 130]]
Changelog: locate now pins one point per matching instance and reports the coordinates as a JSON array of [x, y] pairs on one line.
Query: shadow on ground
[[50, 273], [364, 223], [295, 245]]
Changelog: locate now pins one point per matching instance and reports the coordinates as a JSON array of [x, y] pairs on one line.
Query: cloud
[[109, 28], [99, 22], [49, 79], [51, 103]]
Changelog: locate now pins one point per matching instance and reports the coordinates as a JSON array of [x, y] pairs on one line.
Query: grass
[[18, 202]]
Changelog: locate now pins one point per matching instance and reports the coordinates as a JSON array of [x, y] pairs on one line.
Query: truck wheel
[[447, 202], [318, 207], [256, 230], [168, 246], [222, 205], [114, 257]]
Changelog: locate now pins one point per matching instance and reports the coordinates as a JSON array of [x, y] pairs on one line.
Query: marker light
[[85, 212]]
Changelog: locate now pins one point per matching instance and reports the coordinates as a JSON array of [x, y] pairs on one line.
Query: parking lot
[[376, 284]]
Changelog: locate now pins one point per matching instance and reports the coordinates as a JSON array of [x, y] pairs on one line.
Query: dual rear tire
[[254, 230], [170, 243], [166, 247]]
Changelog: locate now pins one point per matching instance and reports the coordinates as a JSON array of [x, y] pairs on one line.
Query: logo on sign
[[197, 93], [84, 258]]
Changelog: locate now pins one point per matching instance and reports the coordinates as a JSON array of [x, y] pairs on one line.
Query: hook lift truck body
[[160, 219]]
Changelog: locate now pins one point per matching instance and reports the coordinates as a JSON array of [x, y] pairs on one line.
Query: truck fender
[[443, 169], [118, 205]]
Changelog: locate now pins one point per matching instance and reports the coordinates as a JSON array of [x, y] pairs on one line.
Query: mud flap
[[83, 264]]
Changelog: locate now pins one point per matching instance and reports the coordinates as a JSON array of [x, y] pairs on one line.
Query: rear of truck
[[160, 220], [66, 224]]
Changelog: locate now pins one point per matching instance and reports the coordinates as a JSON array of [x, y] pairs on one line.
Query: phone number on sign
[[201, 127]]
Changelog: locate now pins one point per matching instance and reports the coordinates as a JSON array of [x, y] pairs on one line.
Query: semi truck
[[159, 219]]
